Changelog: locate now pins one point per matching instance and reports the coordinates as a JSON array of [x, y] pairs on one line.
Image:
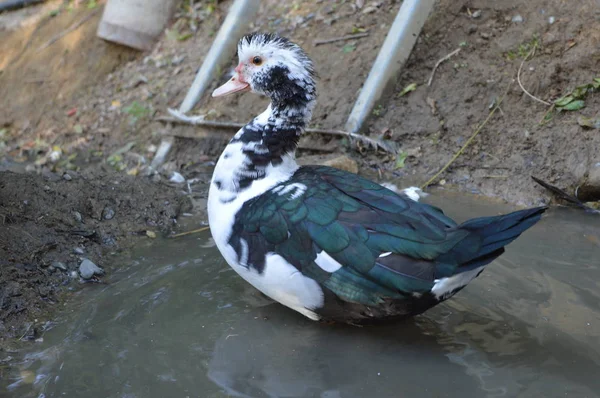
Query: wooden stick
[[461, 150], [190, 232], [179, 117], [68, 30], [342, 38], [447, 57]]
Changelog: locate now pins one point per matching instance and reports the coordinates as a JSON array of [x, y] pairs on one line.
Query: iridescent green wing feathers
[[354, 221]]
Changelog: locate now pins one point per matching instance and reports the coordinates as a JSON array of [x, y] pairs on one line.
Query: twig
[[179, 117], [190, 232], [68, 30], [521, 84], [446, 58], [563, 195], [29, 327], [342, 38], [477, 131]]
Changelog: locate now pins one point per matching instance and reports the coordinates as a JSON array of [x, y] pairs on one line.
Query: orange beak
[[233, 85]]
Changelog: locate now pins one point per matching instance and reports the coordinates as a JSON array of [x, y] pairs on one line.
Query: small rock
[[59, 265], [327, 10], [484, 35], [87, 269], [155, 178], [472, 29], [343, 163], [177, 178], [6, 359], [517, 19], [67, 177], [108, 213], [138, 80], [369, 10], [476, 14], [551, 20], [177, 59], [151, 234], [77, 216], [78, 250]]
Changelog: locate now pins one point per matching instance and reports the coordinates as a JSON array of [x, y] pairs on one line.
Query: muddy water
[[174, 321]]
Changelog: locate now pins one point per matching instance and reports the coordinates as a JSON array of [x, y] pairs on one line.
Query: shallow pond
[[175, 321]]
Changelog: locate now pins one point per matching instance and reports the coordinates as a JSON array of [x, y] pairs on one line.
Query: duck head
[[273, 66]]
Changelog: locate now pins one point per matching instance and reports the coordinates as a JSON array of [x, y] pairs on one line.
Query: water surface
[[175, 321]]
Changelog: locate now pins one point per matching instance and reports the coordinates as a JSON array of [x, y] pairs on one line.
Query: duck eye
[[257, 61]]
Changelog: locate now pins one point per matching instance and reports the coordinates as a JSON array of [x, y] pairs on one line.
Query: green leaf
[[348, 48], [92, 4], [574, 105], [78, 129], [184, 36], [581, 91], [358, 30], [136, 110], [408, 89], [564, 100], [596, 83], [400, 160]]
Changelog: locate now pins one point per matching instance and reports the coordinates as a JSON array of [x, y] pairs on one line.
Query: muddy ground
[[80, 105]]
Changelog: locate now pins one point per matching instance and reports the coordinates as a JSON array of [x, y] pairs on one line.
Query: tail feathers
[[493, 234]]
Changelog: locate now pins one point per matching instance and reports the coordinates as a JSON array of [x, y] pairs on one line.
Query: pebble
[[6, 359], [59, 265], [476, 14], [108, 213], [78, 250], [472, 29], [87, 269], [327, 10], [551, 20], [485, 36], [517, 19], [67, 177], [177, 59], [177, 178], [77, 216]]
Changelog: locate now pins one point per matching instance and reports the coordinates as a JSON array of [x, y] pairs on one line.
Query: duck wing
[[363, 241]]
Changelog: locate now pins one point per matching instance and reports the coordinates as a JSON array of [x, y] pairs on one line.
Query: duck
[[332, 245]]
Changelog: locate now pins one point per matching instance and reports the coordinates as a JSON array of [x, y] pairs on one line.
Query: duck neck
[[265, 148], [276, 131]]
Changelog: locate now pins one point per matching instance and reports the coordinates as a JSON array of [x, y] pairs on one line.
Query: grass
[[524, 48]]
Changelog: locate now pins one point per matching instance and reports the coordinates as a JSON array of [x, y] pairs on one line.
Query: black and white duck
[[328, 243]]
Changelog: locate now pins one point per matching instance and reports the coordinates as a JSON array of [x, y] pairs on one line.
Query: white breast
[[279, 280]]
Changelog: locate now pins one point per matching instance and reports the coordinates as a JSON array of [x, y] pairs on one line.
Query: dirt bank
[[88, 107], [49, 224]]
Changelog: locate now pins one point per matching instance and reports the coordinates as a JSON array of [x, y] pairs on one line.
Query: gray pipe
[[222, 49], [16, 4], [393, 54]]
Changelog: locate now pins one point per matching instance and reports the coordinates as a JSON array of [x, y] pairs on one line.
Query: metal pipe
[[394, 52], [16, 4], [238, 17]]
